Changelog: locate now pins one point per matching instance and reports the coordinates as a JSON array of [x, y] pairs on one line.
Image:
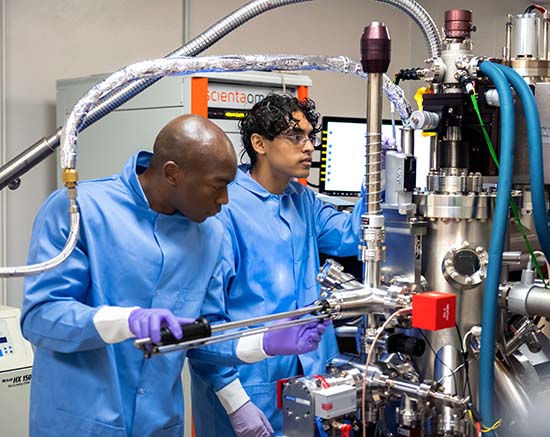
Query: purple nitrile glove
[[250, 421], [294, 340], [145, 322]]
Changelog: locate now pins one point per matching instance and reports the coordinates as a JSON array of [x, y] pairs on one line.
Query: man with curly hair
[[148, 254], [277, 228]]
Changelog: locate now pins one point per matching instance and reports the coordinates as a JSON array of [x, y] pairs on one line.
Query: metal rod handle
[[191, 344], [269, 318]]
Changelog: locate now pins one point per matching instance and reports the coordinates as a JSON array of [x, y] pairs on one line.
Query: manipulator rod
[[202, 333], [338, 303]]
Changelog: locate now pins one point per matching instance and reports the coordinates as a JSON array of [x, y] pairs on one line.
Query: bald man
[[147, 257]]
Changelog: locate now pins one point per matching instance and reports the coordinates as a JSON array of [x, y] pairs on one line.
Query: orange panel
[[199, 96], [302, 92]]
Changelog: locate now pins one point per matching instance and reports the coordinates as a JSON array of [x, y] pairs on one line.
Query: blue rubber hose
[[498, 234], [536, 166]]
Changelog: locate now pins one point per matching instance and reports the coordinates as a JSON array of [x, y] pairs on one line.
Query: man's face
[[201, 192], [289, 154]]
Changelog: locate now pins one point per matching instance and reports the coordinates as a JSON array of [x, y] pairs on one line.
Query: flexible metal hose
[[72, 239], [154, 69], [192, 48], [43, 148], [424, 21]]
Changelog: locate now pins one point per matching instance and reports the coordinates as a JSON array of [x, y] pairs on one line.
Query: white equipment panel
[[16, 357]]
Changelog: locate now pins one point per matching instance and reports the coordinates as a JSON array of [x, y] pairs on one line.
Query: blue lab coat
[[127, 255], [276, 241]]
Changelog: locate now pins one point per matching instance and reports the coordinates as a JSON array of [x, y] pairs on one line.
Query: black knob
[[200, 328], [406, 344]]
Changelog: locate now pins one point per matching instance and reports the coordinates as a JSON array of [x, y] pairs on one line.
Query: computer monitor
[[343, 153]]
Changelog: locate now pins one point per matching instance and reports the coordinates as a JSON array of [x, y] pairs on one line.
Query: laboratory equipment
[[16, 359]]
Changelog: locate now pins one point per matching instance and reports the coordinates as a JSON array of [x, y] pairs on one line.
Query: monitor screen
[[343, 153]]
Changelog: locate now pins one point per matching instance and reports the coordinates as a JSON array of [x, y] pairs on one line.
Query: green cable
[[513, 205]]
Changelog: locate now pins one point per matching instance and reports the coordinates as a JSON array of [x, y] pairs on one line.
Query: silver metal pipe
[[514, 257], [374, 144], [507, 55], [529, 300], [418, 391], [220, 327], [538, 301], [167, 66], [265, 319], [10, 172], [371, 273], [407, 140], [191, 344], [434, 153], [346, 331], [423, 20], [511, 393], [446, 365], [356, 303], [519, 336], [545, 35]]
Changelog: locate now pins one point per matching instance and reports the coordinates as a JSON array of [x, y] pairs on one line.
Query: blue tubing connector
[[536, 167], [498, 234]]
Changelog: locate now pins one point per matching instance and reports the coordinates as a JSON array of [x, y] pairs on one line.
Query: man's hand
[[145, 323], [250, 421], [296, 339]]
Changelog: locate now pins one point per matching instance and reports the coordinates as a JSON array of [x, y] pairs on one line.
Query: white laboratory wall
[[47, 40], [43, 41]]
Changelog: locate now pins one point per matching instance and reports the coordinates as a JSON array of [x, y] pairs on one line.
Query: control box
[[16, 358], [335, 401]]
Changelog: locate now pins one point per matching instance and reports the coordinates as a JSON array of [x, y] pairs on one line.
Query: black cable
[[453, 372], [406, 74], [309, 184], [529, 9], [465, 364], [396, 78]]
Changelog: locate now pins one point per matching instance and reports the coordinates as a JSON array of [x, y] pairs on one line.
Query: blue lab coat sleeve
[[336, 231], [54, 316]]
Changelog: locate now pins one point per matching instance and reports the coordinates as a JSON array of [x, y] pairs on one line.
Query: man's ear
[[258, 144], [171, 170]]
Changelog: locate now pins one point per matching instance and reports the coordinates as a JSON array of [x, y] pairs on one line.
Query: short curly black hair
[[273, 115]]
